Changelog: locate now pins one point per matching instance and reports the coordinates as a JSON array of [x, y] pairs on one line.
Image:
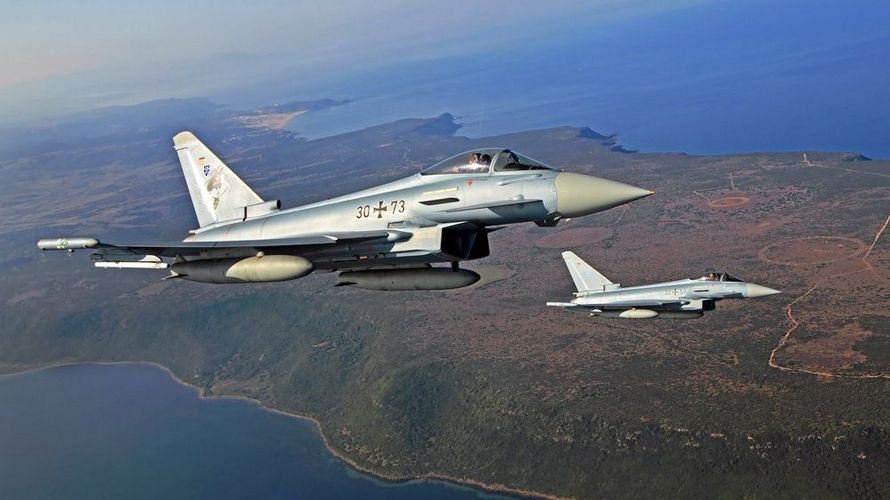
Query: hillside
[[781, 397]]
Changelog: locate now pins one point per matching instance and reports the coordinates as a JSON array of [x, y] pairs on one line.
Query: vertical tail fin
[[217, 193], [586, 278]]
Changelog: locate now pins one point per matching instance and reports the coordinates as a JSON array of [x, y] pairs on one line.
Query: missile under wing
[[383, 238], [680, 299]]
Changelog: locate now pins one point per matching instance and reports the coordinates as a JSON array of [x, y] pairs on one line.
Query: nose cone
[[753, 290], [578, 194]]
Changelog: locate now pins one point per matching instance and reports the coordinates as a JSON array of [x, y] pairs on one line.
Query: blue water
[[130, 431], [718, 78]]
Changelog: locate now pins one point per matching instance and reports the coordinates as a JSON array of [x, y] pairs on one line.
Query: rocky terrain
[[787, 396]]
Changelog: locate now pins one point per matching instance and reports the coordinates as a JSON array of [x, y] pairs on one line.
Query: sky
[[700, 76], [64, 55]]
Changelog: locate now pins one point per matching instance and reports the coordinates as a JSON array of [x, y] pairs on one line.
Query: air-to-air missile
[[681, 299], [382, 238]]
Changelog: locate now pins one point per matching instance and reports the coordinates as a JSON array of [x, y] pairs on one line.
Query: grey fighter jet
[[681, 299], [383, 238]]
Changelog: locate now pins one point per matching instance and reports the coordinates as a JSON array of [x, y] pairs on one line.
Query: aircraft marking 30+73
[[382, 238]]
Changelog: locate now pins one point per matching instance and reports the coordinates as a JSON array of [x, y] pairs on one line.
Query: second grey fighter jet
[[382, 238], [681, 299]]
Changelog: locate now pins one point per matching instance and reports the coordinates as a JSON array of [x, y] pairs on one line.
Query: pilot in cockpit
[[476, 163]]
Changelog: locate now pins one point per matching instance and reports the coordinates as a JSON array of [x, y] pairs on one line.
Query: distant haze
[[697, 76], [71, 55]]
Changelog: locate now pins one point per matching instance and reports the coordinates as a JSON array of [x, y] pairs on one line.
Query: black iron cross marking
[[379, 209]]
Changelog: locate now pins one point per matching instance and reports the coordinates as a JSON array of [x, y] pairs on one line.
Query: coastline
[[274, 121], [392, 478]]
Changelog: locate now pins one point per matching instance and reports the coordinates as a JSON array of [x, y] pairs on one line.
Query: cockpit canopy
[[718, 276], [482, 161]]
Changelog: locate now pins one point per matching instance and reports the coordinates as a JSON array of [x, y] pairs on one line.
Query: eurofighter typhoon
[[681, 299], [383, 238]]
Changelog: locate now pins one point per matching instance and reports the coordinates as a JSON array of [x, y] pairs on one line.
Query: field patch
[[811, 250]]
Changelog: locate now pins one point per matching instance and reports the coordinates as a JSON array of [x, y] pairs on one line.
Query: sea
[[723, 77], [113, 431]]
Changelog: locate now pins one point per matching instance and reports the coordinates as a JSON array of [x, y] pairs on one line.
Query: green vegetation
[[486, 383], [876, 347]]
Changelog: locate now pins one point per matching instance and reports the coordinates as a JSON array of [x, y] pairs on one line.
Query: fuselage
[[691, 290], [382, 238], [433, 216], [419, 200], [680, 299]]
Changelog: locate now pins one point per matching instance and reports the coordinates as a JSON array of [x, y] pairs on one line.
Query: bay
[[130, 430]]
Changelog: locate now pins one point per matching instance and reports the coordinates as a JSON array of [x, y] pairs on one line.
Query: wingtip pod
[[563, 305], [67, 243]]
